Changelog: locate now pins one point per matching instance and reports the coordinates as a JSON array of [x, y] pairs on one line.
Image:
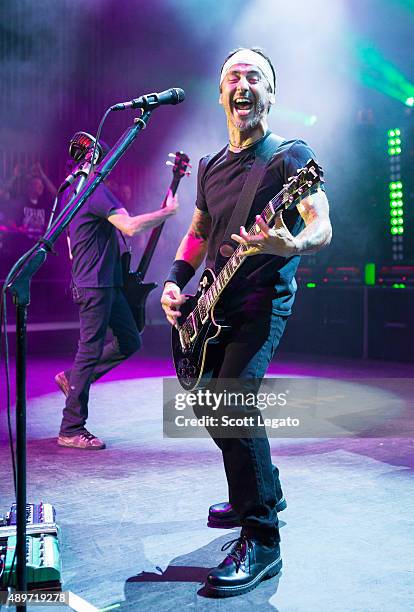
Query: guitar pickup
[[193, 327], [202, 308]]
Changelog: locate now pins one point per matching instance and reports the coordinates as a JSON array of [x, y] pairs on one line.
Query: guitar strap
[[263, 154]]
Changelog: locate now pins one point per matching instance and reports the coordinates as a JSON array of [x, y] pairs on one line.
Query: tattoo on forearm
[[317, 234], [200, 225], [314, 237]]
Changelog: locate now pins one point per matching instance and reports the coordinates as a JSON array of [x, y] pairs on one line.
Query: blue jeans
[[99, 309]]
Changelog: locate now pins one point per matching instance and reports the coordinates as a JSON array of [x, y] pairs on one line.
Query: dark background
[[62, 63]]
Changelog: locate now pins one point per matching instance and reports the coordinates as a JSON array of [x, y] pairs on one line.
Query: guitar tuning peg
[[171, 154], [168, 163], [188, 173], [188, 164]]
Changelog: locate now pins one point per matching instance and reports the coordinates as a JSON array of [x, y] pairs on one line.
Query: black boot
[[223, 516], [247, 564]]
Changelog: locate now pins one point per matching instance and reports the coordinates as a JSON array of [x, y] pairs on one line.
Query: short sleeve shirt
[[94, 242], [264, 282]]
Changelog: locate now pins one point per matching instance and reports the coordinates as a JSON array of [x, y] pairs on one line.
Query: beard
[[252, 122]]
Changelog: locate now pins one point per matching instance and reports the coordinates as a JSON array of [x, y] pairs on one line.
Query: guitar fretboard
[[295, 190]]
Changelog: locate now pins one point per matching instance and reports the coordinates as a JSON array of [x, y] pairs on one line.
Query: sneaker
[[246, 565], [63, 383], [84, 441]]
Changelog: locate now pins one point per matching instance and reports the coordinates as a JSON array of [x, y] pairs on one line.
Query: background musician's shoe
[[63, 383], [223, 516], [246, 565], [83, 441]]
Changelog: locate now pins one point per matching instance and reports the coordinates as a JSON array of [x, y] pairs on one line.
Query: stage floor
[[133, 517]]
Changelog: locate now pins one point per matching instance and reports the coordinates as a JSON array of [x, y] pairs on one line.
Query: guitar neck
[[282, 200], [234, 262], [155, 235]]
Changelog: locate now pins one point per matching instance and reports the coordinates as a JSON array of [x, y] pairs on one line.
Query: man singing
[[97, 289], [256, 304]]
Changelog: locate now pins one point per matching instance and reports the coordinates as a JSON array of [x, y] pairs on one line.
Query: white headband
[[246, 56]]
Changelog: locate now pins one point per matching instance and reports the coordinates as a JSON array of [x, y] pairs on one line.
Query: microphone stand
[[18, 283]]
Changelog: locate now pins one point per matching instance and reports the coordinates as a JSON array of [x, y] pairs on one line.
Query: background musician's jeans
[[247, 353], [99, 309]]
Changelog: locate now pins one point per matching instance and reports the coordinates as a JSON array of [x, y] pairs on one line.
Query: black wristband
[[181, 272]]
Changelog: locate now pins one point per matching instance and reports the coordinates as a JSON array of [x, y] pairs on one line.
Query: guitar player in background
[[97, 289], [257, 303]]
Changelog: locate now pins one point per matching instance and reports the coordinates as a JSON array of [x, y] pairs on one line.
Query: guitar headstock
[[307, 178], [181, 164]]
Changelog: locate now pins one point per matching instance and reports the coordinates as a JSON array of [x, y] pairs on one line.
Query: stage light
[[296, 116], [396, 193], [370, 274], [311, 285], [378, 73], [311, 120]]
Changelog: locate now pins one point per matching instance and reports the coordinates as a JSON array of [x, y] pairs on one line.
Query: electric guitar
[[135, 290], [196, 338]]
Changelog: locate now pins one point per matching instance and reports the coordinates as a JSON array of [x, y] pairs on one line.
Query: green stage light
[[311, 120], [296, 116], [396, 193], [370, 274], [311, 285]]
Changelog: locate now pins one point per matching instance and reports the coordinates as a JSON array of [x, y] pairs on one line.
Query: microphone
[[71, 178], [81, 147], [175, 95]]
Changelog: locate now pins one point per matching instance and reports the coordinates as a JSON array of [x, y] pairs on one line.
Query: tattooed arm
[[317, 233], [314, 210], [193, 247]]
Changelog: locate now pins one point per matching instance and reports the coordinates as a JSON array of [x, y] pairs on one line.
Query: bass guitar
[[135, 290], [197, 334]]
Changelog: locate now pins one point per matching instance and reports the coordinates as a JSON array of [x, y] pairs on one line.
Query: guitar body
[[198, 338], [135, 291], [196, 359]]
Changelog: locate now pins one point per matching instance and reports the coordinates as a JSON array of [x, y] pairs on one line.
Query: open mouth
[[243, 106]]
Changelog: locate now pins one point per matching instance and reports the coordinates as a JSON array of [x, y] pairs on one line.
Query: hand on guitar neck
[[130, 226]]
